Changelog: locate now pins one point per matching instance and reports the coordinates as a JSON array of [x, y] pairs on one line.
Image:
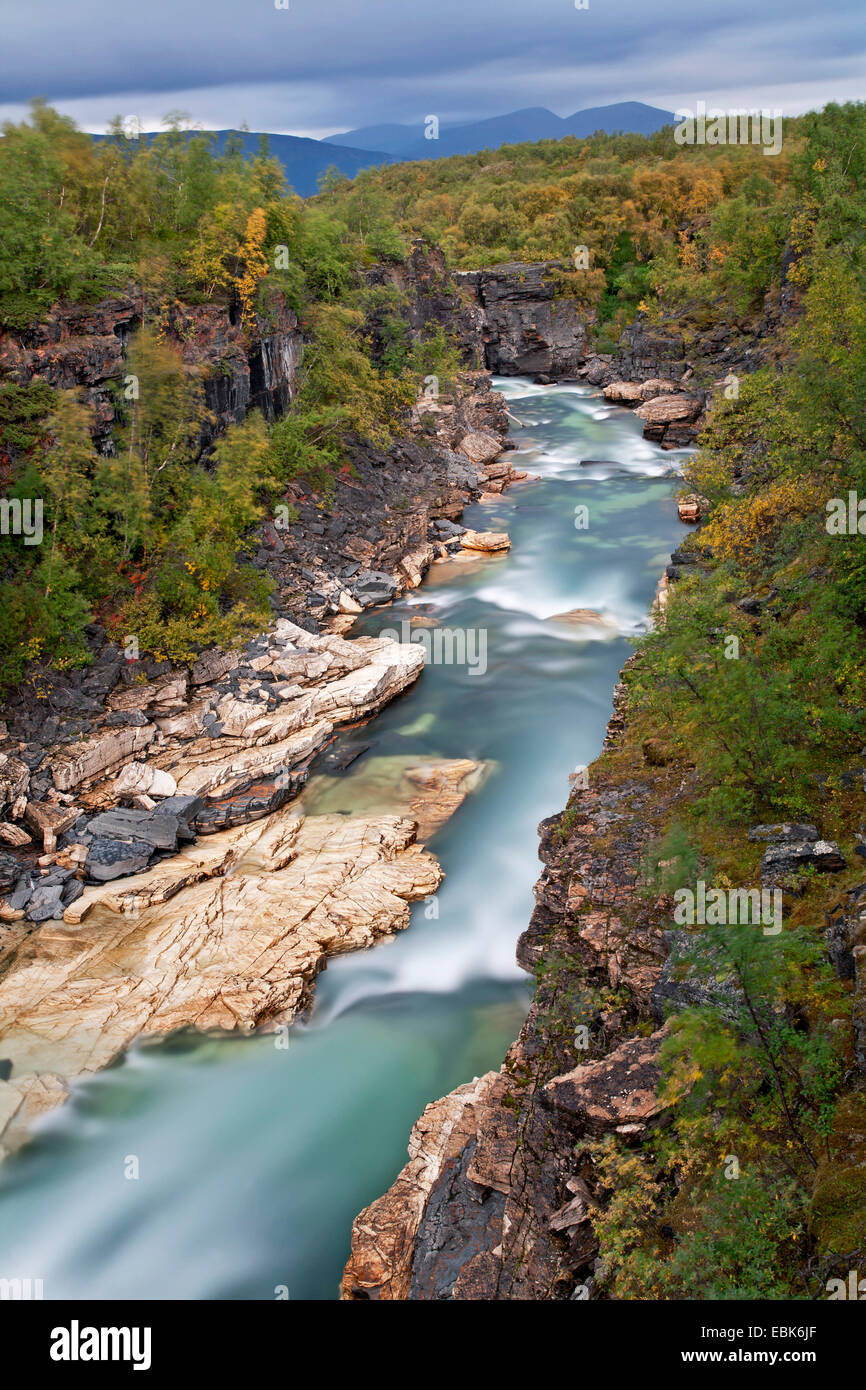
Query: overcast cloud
[[330, 65]]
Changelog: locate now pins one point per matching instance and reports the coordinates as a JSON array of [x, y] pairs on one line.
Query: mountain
[[534, 123], [304, 160]]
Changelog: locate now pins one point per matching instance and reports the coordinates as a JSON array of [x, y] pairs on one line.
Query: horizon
[[316, 73]]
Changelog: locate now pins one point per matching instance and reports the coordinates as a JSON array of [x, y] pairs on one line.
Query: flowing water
[[253, 1159]]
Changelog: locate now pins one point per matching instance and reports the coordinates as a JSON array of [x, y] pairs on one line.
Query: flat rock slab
[[229, 935], [485, 540]]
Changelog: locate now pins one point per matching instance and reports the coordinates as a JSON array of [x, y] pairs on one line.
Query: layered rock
[[227, 935], [84, 347], [528, 328], [213, 753]]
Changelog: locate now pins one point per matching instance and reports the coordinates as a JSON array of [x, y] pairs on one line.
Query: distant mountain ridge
[[305, 160], [534, 123]]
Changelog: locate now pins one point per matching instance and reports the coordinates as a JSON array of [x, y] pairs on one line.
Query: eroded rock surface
[[228, 934]]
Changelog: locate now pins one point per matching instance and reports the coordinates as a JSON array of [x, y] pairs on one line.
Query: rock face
[[238, 748], [229, 935], [527, 329], [84, 346], [494, 1202]]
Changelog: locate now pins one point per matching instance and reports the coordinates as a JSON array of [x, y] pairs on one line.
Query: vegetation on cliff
[[154, 537], [755, 673]]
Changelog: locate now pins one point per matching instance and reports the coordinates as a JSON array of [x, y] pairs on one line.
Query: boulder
[[373, 588], [109, 859], [480, 448], [786, 858], [670, 409], [49, 820], [158, 828], [485, 540], [140, 779], [624, 392], [692, 508]]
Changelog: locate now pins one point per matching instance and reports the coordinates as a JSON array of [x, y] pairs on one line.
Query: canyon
[[195, 891]]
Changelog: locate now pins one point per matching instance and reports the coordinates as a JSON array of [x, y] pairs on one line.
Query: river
[[253, 1159]]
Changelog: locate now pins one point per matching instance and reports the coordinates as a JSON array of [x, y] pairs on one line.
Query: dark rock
[[55, 875], [45, 902], [445, 530], [155, 828], [133, 718], [20, 896], [109, 859], [250, 804], [72, 892], [787, 858], [374, 587], [341, 758], [10, 868], [185, 809]]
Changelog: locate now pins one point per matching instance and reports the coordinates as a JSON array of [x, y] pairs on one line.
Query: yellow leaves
[[737, 529], [255, 263]]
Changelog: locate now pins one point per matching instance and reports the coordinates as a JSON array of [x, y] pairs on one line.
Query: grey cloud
[[334, 64]]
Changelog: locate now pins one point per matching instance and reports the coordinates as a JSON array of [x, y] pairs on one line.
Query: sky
[[320, 67]]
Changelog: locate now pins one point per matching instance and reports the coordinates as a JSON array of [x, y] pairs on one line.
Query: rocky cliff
[[83, 348], [495, 1201], [527, 328]]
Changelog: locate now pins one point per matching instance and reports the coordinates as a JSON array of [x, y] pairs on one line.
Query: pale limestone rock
[[666, 410], [485, 540], [630, 392], [98, 754], [142, 779], [22, 1100], [250, 919], [347, 604]]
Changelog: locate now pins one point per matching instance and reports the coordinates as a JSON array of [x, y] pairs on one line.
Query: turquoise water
[[253, 1160]]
